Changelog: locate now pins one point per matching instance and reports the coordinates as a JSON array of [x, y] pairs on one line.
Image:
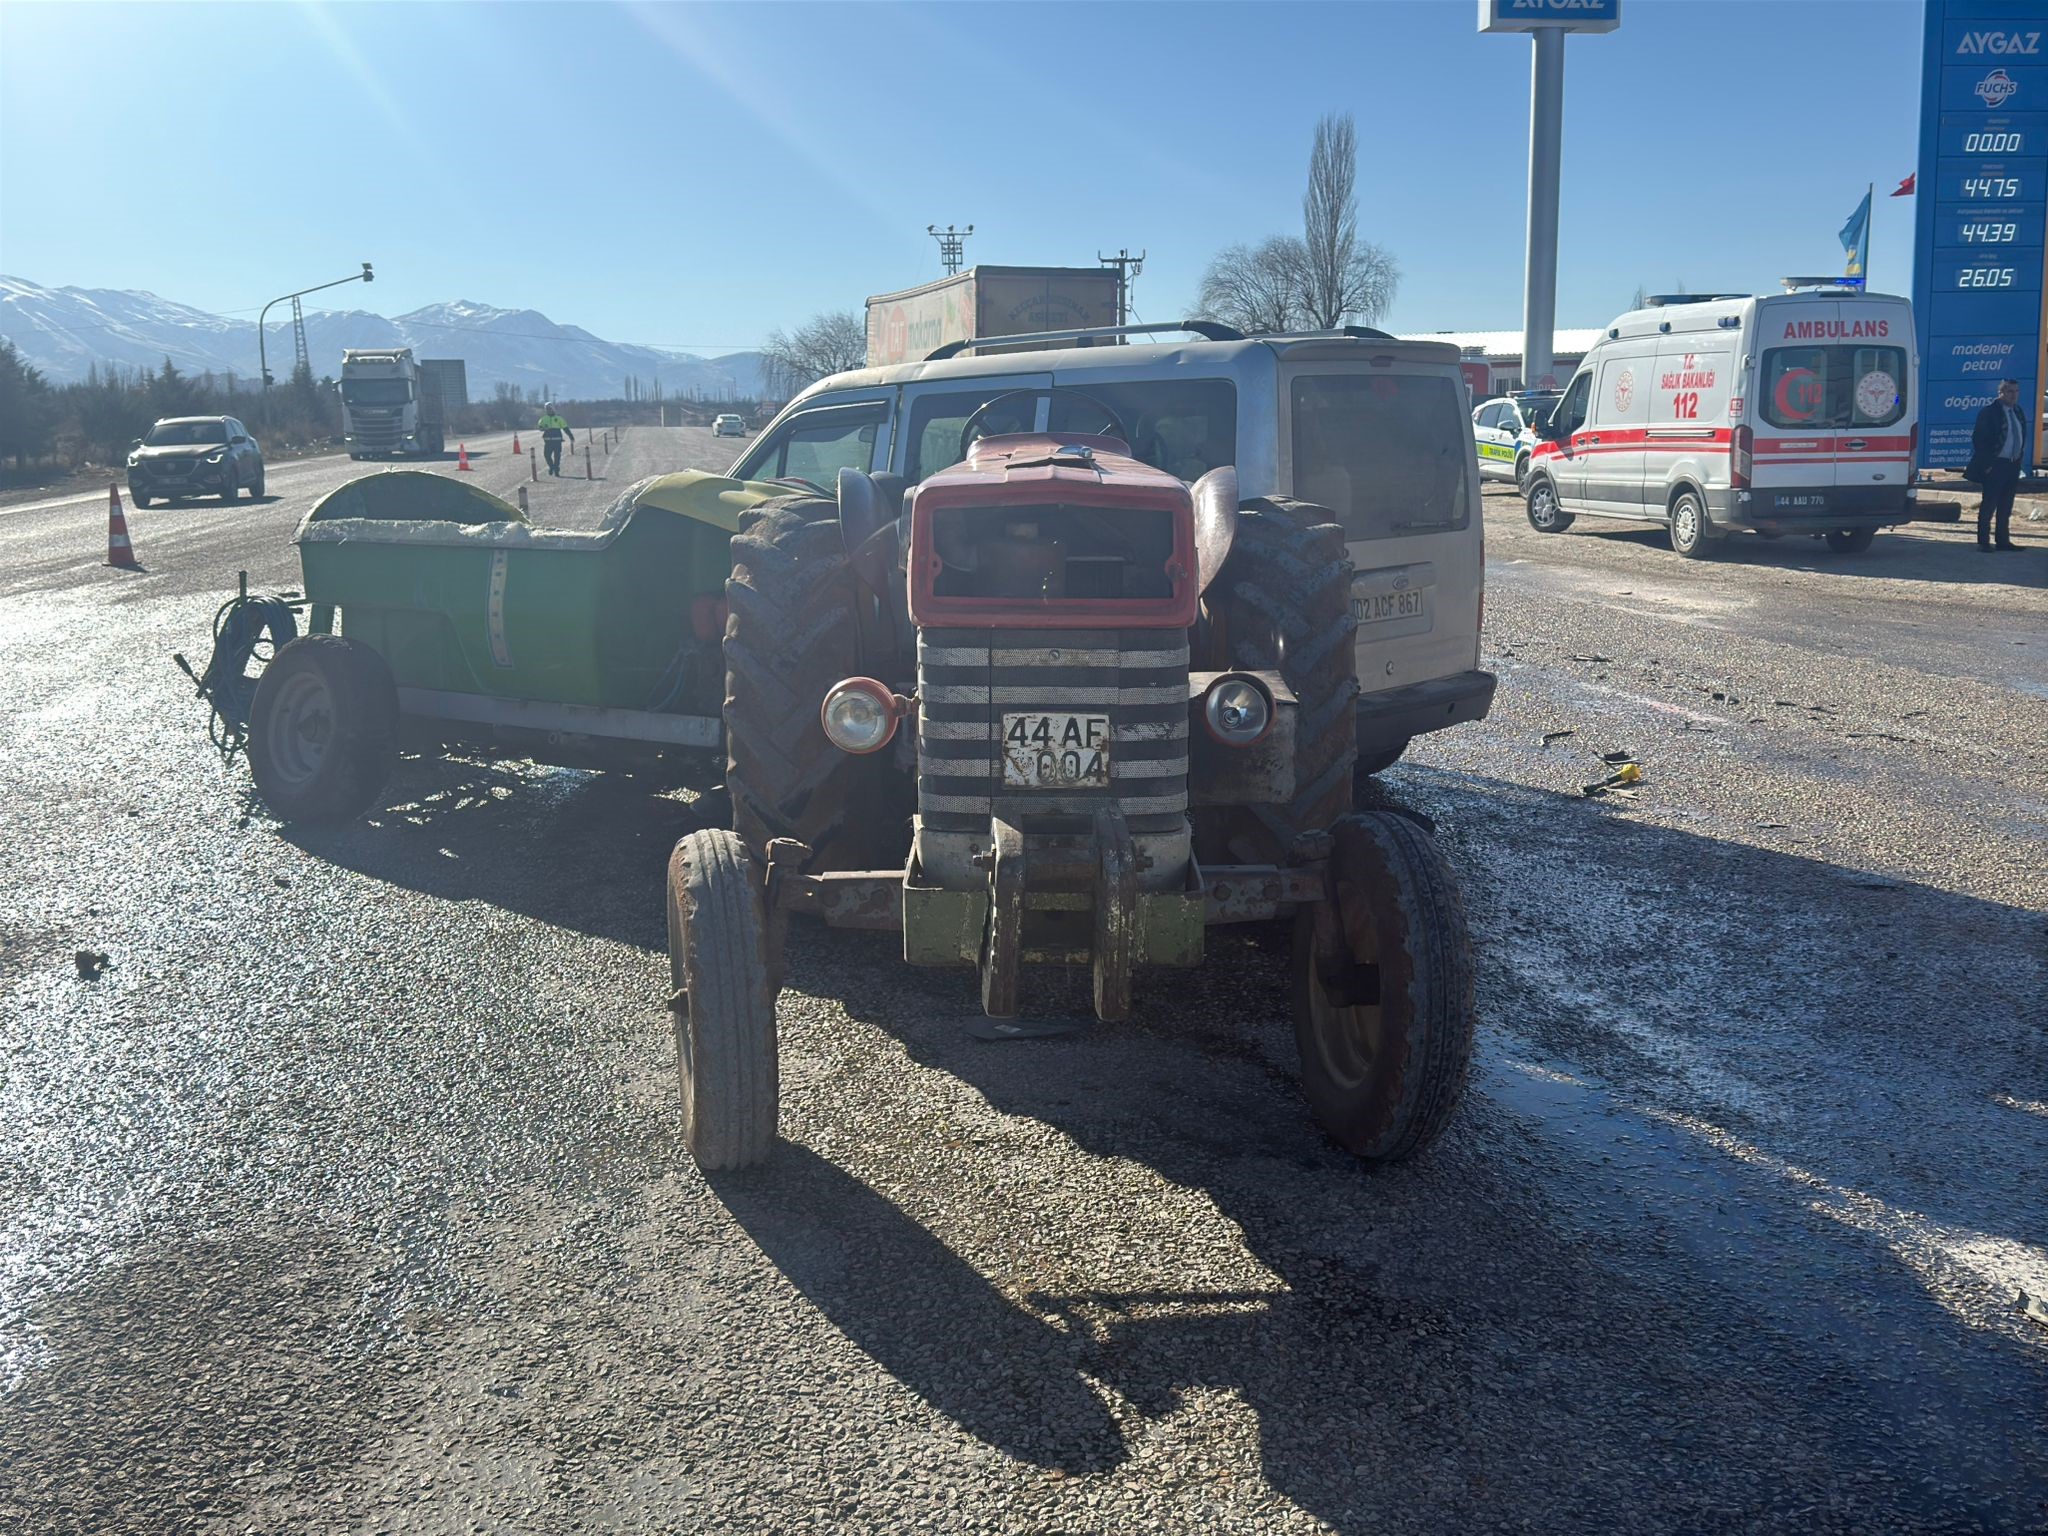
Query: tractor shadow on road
[[1517, 1316], [583, 851]]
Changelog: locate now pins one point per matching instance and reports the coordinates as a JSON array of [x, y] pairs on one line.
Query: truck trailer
[[392, 403], [909, 326]]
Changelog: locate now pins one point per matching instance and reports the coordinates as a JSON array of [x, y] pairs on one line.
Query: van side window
[[1570, 413], [816, 445], [1186, 427]]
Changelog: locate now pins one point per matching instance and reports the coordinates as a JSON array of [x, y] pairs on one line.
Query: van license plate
[[1056, 751]]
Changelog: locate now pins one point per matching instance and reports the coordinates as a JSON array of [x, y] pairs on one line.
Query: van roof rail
[[1355, 332], [1659, 300], [1208, 330]]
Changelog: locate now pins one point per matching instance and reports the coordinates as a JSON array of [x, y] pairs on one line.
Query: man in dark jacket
[[1997, 446]]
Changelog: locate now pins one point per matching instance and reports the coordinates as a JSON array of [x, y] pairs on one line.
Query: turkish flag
[[1905, 188]]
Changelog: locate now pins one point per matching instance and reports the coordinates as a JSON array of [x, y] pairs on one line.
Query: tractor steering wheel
[[1115, 422]]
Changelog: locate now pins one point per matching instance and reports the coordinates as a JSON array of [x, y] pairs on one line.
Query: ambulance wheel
[[1383, 991], [1545, 515], [1690, 535], [1851, 541], [723, 1003], [323, 729], [1283, 601], [793, 629]]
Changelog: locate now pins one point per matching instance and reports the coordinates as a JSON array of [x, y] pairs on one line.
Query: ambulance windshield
[[1386, 453]]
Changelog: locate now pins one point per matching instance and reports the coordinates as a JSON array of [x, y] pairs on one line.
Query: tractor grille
[[968, 679]]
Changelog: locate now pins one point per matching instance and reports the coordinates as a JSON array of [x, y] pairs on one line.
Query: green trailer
[[441, 618]]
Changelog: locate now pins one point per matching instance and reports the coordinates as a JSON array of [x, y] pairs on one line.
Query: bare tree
[[827, 343], [1326, 278], [1345, 278], [1257, 287]]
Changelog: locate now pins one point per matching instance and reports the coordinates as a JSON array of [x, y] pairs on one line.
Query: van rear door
[[1833, 407]]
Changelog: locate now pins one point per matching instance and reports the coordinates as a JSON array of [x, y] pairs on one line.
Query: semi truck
[[392, 403], [908, 327]]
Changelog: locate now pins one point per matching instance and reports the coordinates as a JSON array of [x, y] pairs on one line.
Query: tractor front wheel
[[723, 1003], [1383, 991], [323, 729]]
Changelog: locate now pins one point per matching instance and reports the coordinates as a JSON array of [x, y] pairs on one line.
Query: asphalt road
[[349, 1196]]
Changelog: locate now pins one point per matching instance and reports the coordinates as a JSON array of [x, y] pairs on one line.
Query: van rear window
[[1385, 452], [1833, 386]]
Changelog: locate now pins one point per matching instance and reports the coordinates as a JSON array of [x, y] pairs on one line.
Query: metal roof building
[[1502, 351]]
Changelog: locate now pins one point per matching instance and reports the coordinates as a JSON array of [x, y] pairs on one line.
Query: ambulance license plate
[[1056, 751]]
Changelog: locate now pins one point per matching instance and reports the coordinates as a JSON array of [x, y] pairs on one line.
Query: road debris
[[90, 963], [1622, 781], [1550, 736]]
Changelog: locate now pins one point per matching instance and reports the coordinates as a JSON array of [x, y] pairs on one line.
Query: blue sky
[[698, 175]]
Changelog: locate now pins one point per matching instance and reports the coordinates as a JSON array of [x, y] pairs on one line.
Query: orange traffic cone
[[515, 443], [462, 458], [120, 552]]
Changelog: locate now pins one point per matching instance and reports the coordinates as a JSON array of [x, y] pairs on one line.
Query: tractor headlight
[[860, 715], [1238, 710]]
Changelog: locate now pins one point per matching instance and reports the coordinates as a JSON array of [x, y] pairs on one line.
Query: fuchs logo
[[1996, 88], [1999, 42]]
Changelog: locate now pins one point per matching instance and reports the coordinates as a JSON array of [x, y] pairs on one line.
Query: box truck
[[989, 301]]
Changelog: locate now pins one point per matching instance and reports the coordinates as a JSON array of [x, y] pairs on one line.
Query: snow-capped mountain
[[64, 331]]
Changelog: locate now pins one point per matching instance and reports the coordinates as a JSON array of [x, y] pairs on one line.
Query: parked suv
[[194, 456], [1374, 429]]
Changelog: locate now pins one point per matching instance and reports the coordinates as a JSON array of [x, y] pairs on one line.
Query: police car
[[1504, 431]]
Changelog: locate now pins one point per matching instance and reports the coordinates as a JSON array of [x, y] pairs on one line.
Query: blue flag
[[1856, 237]]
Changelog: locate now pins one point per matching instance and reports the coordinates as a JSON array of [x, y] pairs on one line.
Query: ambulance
[[1785, 413]]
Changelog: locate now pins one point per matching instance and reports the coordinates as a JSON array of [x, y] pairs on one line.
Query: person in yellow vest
[[552, 426]]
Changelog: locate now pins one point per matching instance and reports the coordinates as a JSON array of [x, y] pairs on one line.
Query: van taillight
[[1739, 459]]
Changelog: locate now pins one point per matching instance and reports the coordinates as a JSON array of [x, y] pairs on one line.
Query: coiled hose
[[245, 629]]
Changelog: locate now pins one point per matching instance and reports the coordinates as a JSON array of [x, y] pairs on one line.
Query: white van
[[1788, 413], [1372, 428]]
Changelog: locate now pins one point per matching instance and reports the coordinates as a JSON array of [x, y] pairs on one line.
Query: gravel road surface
[[348, 1197]]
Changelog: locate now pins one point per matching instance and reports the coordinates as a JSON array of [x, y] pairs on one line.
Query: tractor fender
[[870, 511], [1215, 499]]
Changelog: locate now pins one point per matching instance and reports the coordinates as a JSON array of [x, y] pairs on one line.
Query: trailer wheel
[[1283, 599], [1851, 541], [1383, 992], [792, 631], [1690, 534], [323, 729], [724, 1005]]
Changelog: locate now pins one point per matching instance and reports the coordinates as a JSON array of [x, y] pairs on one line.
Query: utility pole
[[1127, 269], [1546, 26], [950, 242]]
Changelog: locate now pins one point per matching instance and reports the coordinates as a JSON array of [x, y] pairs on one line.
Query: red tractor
[[1055, 706]]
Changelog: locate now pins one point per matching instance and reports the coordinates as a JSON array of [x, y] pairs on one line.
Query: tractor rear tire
[[792, 631], [724, 1003], [1385, 1065], [323, 729], [1284, 601]]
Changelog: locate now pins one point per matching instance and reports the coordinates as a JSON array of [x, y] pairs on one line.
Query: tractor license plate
[[1056, 751]]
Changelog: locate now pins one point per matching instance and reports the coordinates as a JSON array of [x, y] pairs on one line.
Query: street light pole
[[262, 352]]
